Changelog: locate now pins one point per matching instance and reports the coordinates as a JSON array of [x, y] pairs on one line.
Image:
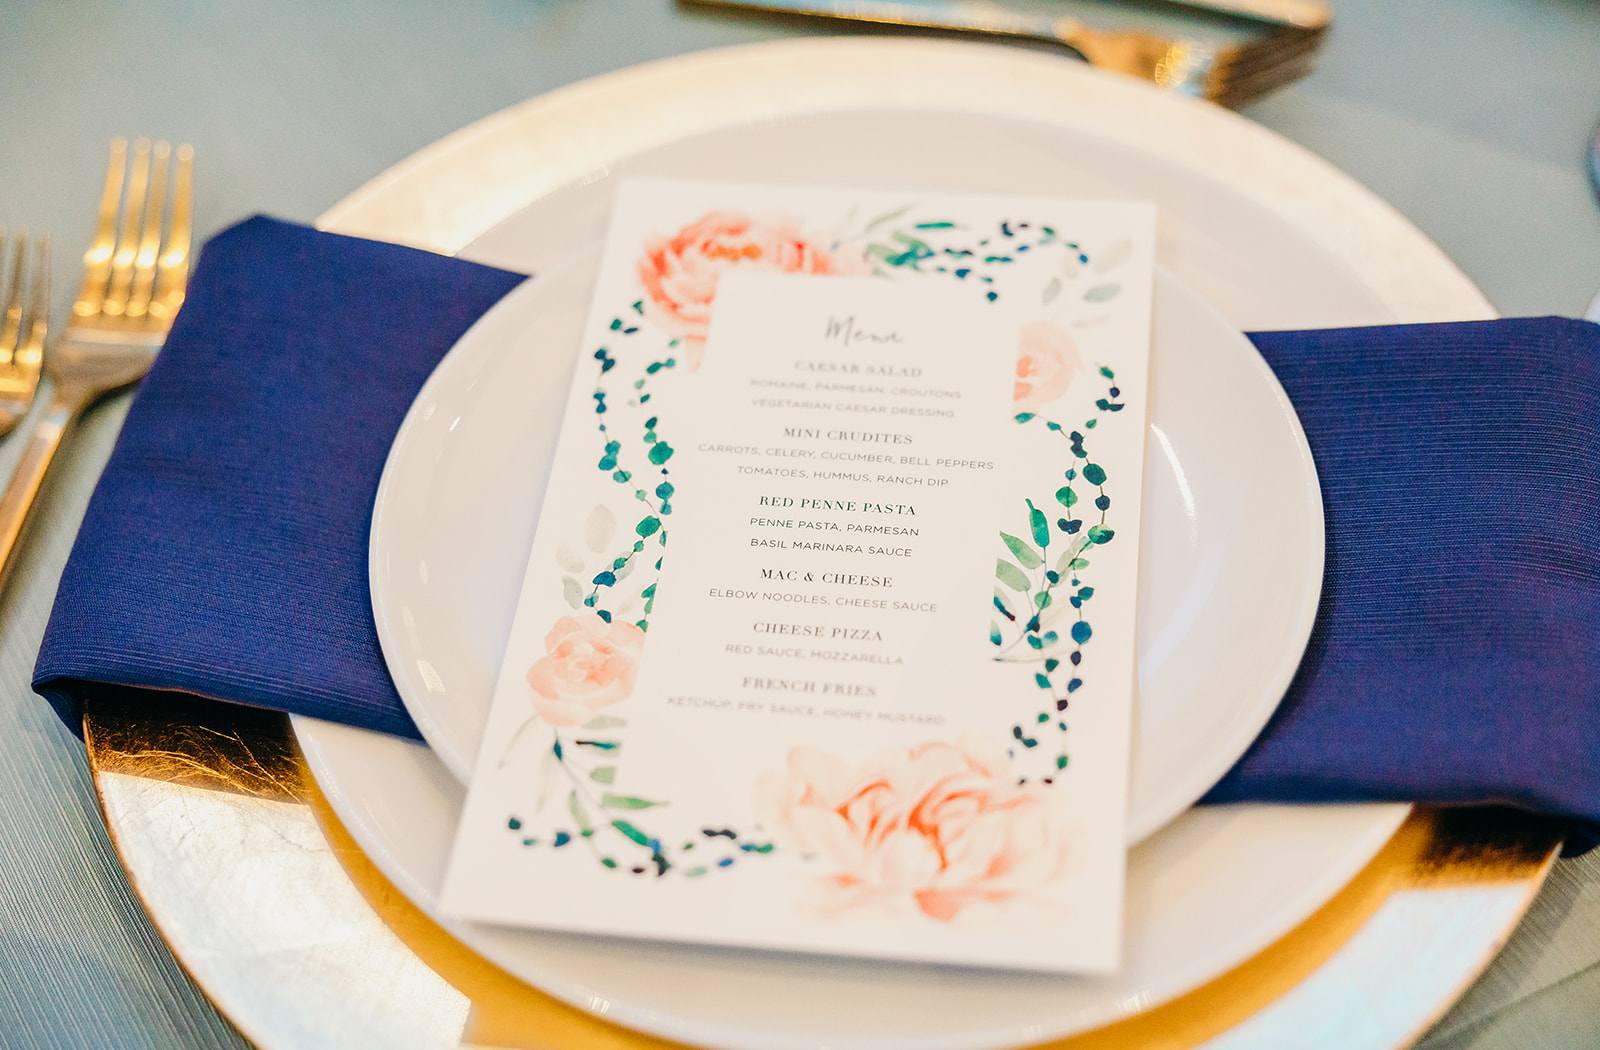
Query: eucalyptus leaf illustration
[[888, 217], [1023, 550], [579, 817], [611, 801], [1011, 576], [1101, 293], [1040, 526], [1064, 563], [599, 527]]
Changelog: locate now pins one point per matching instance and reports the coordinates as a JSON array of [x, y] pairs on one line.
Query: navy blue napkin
[[224, 552], [1456, 652], [1455, 659]]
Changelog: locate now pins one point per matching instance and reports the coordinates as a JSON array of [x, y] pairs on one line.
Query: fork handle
[[18, 497]]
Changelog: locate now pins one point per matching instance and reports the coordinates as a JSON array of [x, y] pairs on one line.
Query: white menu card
[[826, 640]]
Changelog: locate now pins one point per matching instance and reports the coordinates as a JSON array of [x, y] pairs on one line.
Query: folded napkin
[[1455, 658]]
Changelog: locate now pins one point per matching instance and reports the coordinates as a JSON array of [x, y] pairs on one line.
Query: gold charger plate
[[281, 919], [301, 942]]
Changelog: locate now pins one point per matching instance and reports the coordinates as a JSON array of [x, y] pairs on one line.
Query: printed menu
[[825, 641]]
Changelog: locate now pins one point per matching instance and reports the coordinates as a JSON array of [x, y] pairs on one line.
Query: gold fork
[[23, 326], [134, 277]]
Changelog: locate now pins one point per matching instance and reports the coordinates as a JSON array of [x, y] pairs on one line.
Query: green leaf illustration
[[1051, 290], [611, 801], [1094, 474], [1102, 293], [1081, 632], [1065, 563], [648, 526], [1101, 534], [1040, 526], [888, 217], [572, 591], [1065, 496], [1010, 575], [631, 832], [576, 809], [603, 774], [1030, 558], [604, 722]]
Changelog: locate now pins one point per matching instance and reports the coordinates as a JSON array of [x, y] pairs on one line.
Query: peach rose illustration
[[680, 273], [940, 826], [1047, 361], [588, 664]]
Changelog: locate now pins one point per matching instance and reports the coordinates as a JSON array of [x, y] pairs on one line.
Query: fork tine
[[174, 263], [97, 260], [11, 323], [31, 354], [144, 263], [116, 301]]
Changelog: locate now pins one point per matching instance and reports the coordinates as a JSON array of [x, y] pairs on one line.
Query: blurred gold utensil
[[23, 325], [1228, 75], [134, 279]]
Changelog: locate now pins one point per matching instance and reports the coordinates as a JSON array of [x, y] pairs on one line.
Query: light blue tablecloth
[[1470, 116]]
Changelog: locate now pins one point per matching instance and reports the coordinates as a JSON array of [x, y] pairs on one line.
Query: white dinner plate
[[1224, 608], [1285, 242]]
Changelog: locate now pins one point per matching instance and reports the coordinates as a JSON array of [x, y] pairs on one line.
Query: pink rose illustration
[[1047, 360], [588, 664], [941, 826], [680, 273]]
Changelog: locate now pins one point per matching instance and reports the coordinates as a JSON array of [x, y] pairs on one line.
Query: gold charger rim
[[239, 757]]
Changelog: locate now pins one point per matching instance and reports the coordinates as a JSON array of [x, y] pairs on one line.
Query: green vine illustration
[[913, 249], [656, 499], [1031, 582], [610, 824]]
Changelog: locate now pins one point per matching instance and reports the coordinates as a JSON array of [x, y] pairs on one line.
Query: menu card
[[825, 642]]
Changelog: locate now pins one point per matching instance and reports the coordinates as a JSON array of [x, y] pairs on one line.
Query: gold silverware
[[134, 279], [1229, 75], [23, 325]]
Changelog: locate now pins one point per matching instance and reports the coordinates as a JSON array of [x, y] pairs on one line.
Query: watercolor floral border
[[928, 826]]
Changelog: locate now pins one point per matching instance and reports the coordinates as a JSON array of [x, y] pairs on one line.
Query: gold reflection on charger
[[252, 754]]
